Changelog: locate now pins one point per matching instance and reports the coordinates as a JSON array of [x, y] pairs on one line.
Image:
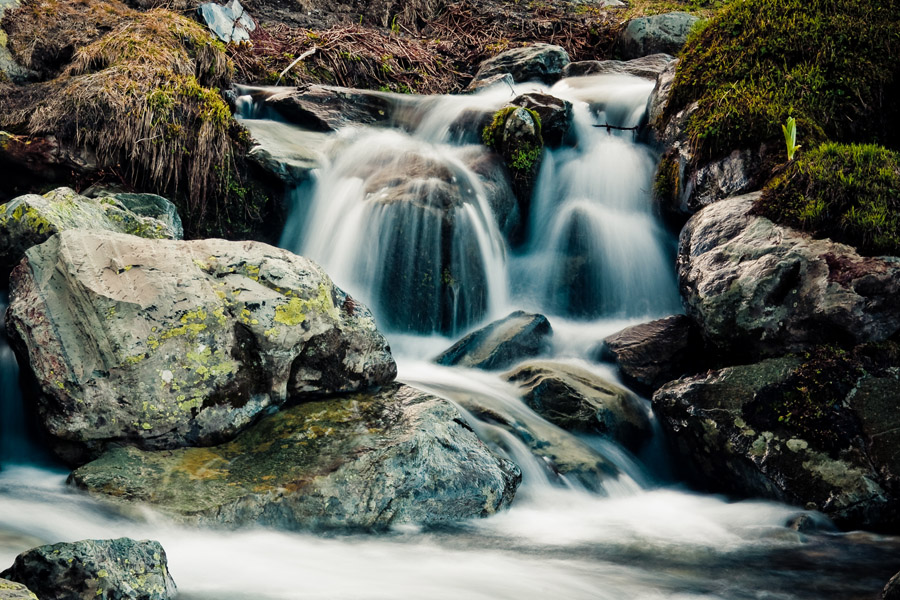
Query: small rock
[[501, 344], [122, 569], [498, 79], [542, 62], [665, 33], [231, 23], [555, 115]]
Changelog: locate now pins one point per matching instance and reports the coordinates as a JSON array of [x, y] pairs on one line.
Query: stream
[[594, 258]]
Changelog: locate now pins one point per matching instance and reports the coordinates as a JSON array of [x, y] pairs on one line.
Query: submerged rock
[[10, 590], [665, 33], [501, 344], [757, 288], [578, 400], [122, 569], [542, 62], [165, 343], [775, 430], [651, 354], [360, 461], [555, 115], [28, 220]]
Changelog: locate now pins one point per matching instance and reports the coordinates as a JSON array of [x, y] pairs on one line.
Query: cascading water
[[409, 223]]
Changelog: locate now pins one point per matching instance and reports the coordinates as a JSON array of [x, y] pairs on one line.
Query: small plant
[[790, 137]]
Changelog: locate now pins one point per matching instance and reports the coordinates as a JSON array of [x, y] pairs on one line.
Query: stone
[[555, 115], [515, 134], [164, 343], [501, 344], [665, 33], [744, 430], [498, 79], [362, 461], [494, 180], [122, 569], [578, 400], [652, 354], [541, 62], [10, 590], [230, 23], [152, 206], [31, 219], [892, 589], [647, 67], [10, 69], [760, 289], [290, 154]]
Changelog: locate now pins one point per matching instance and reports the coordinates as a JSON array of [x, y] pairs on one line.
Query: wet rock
[[10, 590], [31, 219], [164, 343], [749, 431], [495, 180], [515, 134], [578, 400], [498, 79], [290, 154], [357, 461], [648, 67], [756, 288], [651, 354], [501, 344], [230, 23], [665, 33], [555, 115], [122, 569], [659, 97], [892, 589], [541, 62]]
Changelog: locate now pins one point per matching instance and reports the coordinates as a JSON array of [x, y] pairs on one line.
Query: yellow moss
[[295, 310]]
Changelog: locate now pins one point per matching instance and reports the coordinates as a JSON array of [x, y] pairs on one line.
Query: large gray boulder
[[651, 354], [10, 590], [541, 62], [756, 288], [28, 220], [122, 569], [164, 343], [356, 461], [501, 344], [776, 429], [578, 400], [665, 33]]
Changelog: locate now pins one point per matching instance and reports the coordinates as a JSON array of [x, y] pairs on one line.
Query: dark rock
[[541, 62], [555, 115], [360, 461], [749, 431], [651, 354], [578, 400], [665, 33], [515, 133], [494, 179], [10, 590], [648, 67], [760, 289], [122, 569], [892, 589], [501, 344], [165, 343]]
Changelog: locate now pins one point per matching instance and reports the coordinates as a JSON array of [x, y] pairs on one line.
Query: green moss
[[829, 63], [667, 184], [850, 193], [522, 155]]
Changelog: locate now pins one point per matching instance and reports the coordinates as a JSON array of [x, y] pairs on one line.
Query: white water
[[627, 533]]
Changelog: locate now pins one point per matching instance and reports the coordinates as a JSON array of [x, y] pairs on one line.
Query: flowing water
[[406, 221]]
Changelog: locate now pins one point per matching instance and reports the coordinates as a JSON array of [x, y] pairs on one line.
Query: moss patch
[[829, 63], [850, 193]]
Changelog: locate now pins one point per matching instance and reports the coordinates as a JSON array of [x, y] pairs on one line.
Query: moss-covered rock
[[360, 461], [850, 193], [164, 343], [515, 133], [829, 63]]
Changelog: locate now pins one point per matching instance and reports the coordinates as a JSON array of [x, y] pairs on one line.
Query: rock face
[[541, 62], [664, 33], [651, 354], [165, 343], [360, 461], [122, 569], [578, 400], [555, 115], [28, 220], [756, 288], [10, 590], [648, 67], [518, 336], [746, 430]]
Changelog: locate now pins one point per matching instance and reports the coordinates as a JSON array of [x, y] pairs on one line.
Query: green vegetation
[[832, 64], [790, 137], [850, 193], [522, 153]]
